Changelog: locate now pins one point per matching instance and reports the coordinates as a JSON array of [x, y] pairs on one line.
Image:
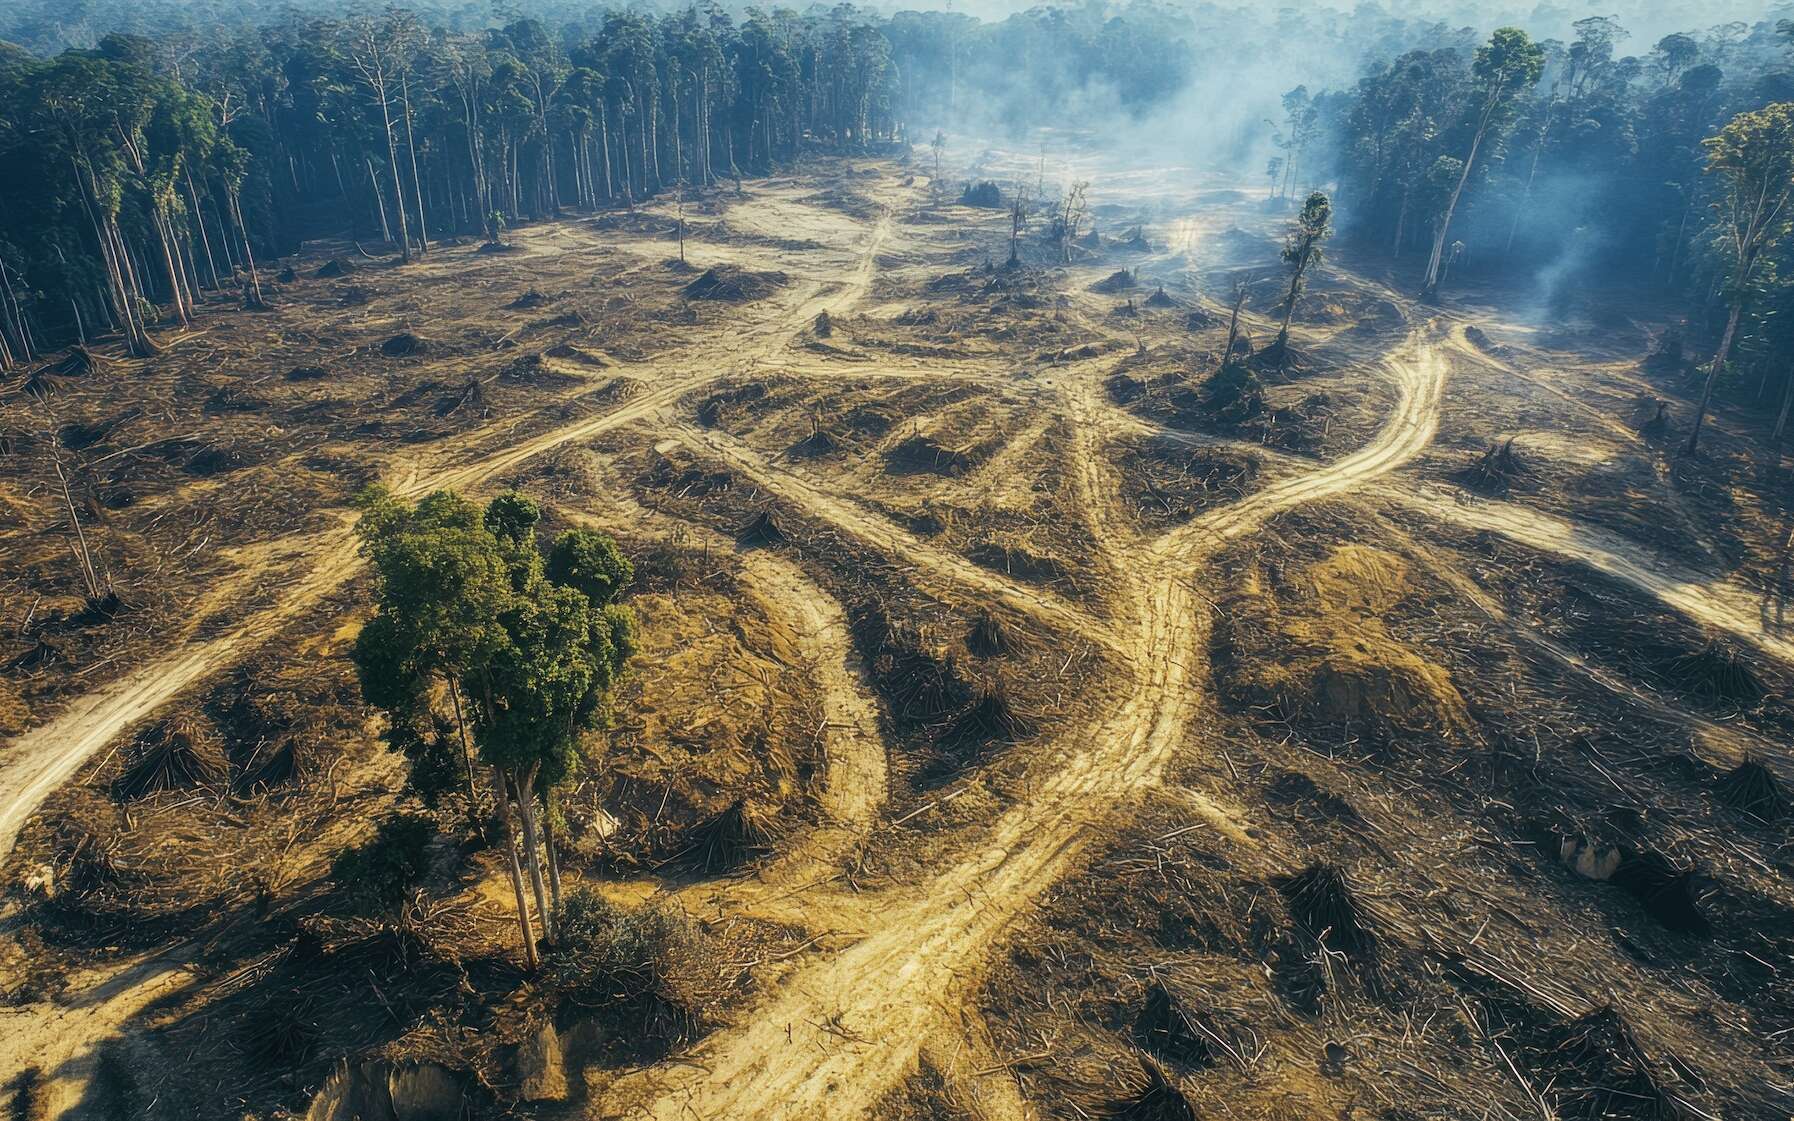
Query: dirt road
[[1716, 602], [837, 1035], [319, 565]]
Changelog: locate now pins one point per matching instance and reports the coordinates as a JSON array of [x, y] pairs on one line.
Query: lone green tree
[[1302, 251], [1753, 159], [1507, 64], [465, 605]]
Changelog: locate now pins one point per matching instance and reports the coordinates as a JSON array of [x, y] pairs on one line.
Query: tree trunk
[[417, 188], [205, 239], [610, 190], [524, 792], [255, 279], [554, 860], [398, 186], [1430, 287], [1781, 420], [379, 200], [523, 922], [168, 262], [473, 794], [1531, 175], [1719, 357]]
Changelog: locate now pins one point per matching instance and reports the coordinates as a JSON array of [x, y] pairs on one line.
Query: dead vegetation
[[1513, 888], [1168, 481], [732, 284], [1314, 646]]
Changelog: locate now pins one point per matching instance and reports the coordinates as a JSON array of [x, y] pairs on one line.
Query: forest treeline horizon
[[151, 169]]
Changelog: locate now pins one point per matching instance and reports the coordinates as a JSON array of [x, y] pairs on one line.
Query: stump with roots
[[727, 840], [763, 530], [1669, 894], [990, 719], [988, 637], [1321, 900], [174, 755], [1497, 468], [401, 346], [1170, 1031], [1717, 671], [1753, 789], [1152, 1097]]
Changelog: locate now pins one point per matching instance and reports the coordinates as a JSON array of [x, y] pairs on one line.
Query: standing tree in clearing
[[1753, 157], [1302, 250], [527, 651]]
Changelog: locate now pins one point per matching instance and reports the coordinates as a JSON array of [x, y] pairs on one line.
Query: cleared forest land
[[1027, 722]]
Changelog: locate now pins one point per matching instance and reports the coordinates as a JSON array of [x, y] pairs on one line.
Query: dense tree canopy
[[526, 652]]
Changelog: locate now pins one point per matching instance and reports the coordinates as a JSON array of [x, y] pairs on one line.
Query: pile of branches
[[1497, 469]]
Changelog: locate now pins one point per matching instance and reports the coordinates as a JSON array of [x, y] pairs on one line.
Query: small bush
[[983, 194], [385, 868], [627, 964], [1235, 392]]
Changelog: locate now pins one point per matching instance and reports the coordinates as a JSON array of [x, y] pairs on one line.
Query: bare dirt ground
[[1119, 741]]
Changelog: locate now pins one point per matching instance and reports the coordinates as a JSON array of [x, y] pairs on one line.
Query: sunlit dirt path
[[837, 1035], [60, 1038], [315, 566]]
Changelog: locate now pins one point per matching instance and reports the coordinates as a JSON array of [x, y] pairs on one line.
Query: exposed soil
[[1036, 715]]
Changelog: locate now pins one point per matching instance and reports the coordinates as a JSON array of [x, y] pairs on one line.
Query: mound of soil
[[922, 455], [716, 410], [1322, 652], [215, 460], [567, 352], [1752, 788], [1717, 673], [492, 248], [1484, 343], [816, 445], [1121, 280], [1123, 389], [78, 362], [1322, 901], [1168, 1028], [918, 679], [335, 267], [1018, 560], [1159, 299], [403, 346], [988, 637], [762, 530], [179, 754], [1152, 1097], [1170, 481], [728, 840], [731, 284], [307, 373]]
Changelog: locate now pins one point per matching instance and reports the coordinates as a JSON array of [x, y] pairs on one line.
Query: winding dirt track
[[1715, 602], [842, 1029], [37, 762], [836, 1036]]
